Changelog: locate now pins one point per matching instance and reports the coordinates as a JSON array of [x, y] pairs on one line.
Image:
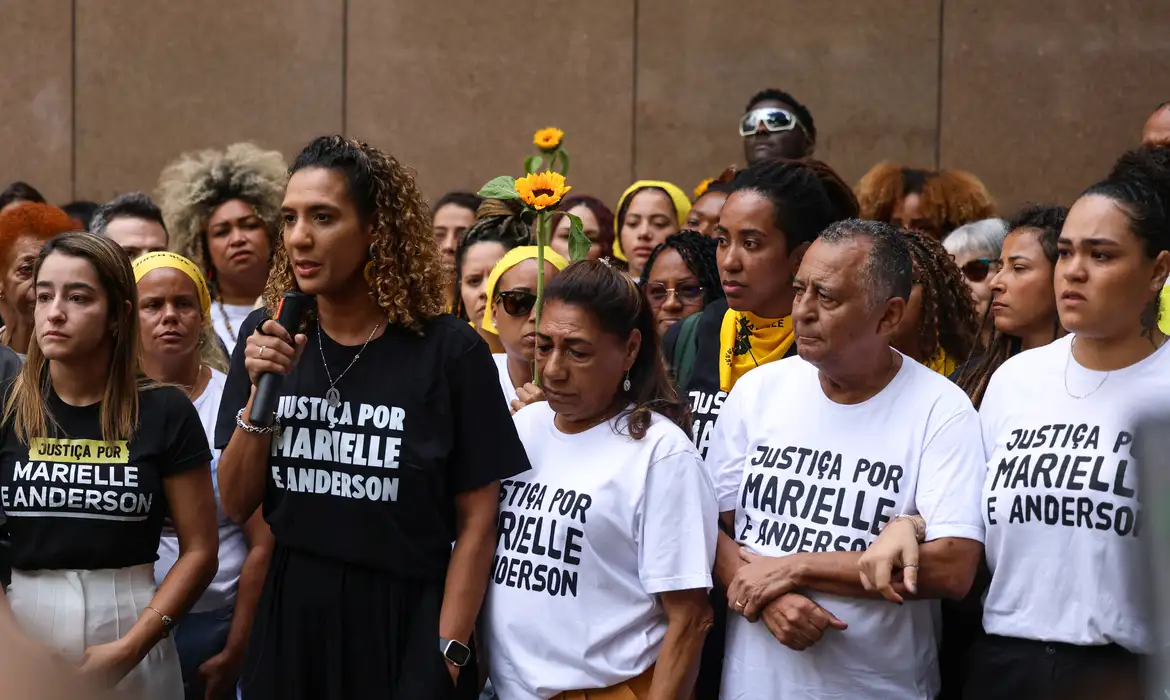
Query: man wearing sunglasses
[[776, 125]]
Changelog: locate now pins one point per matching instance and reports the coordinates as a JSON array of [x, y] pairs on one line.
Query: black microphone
[[292, 307]]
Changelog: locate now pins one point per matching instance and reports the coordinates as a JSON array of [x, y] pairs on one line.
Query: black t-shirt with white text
[[373, 482], [75, 501]]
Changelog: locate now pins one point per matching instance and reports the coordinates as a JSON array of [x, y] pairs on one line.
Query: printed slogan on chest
[[336, 442], [540, 535], [808, 500], [87, 479], [1065, 475]]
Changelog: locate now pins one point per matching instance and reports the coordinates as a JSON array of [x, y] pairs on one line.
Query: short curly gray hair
[[190, 188]]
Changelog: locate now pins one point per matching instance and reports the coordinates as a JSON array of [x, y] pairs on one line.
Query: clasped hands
[[764, 588]]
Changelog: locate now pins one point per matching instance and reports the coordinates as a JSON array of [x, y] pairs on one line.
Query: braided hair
[[498, 221], [698, 252], [948, 312], [1047, 220]]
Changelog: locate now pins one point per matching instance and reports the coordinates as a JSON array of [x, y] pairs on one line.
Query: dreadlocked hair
[[806, 196], [948, 198], [192, 187], [408, 281], [948, 312], [497, 221], [698, 252], [1046, 221]]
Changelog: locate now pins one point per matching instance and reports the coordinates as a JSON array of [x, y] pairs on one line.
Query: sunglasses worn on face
[[517, 302], [976, 270], [773, 119], [687, 294]]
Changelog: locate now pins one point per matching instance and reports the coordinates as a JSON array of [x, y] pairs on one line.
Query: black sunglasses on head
[[517, 302], [977, 270]]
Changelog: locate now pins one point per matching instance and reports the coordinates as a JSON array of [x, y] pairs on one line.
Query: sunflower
[[701, 188], [548, 139], [542, 190]]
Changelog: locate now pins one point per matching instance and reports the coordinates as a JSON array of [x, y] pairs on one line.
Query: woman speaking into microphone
[[376, 460]]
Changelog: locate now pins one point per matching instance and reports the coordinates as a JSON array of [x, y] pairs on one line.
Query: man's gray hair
[[133, 205], [983, 239], [888, 271]]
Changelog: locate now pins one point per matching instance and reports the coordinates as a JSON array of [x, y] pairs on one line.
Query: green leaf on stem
[[502, 187], [579, 243], [564, 158], [532, 164]]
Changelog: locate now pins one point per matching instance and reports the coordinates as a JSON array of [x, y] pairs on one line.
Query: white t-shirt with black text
[[588, 538], [805, 474], [1061, 498]]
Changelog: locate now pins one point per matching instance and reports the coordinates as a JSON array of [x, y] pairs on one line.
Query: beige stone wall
[[1035, 96]]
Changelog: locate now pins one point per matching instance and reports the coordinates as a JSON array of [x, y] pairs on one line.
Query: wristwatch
[[455, 652]]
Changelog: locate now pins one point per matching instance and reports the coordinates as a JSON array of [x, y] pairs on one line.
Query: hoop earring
[[626, 384], [372, 266]]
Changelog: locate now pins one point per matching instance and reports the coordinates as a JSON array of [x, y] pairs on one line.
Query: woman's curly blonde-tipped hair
[[190, 188], [948, 198], [409, 280]]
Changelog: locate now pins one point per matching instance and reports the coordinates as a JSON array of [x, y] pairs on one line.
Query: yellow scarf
[[747, 341], [942, 363]]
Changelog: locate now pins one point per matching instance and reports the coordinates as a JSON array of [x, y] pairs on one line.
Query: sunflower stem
[[541, 226]]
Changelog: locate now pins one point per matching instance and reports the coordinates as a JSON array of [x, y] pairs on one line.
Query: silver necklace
[[1067, 362], [333, 396]]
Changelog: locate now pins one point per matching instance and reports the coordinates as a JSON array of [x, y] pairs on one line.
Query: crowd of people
[[783, 438]]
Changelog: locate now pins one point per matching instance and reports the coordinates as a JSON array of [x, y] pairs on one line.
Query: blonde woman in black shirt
[[92, 458]]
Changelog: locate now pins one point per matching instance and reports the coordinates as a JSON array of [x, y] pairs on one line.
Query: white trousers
[[71, 610]]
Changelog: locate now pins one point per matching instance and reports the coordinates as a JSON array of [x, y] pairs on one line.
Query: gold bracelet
[[919, 531], [168, 622]]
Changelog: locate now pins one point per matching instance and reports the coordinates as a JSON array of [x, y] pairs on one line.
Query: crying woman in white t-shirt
[[605, 547], [1065, 614]]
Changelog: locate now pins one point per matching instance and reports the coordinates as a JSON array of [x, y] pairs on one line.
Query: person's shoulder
[[450, 334], [713, 314], [1042, 359], [929, 386], [162, 401], [667, 437], [10, 364], [773, 375]]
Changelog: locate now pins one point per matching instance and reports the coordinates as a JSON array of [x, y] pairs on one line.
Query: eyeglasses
[[773, 119], [517, 302], [977, 270], [687, 294]]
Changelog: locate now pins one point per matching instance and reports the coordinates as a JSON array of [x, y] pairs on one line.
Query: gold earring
[[371, 267]]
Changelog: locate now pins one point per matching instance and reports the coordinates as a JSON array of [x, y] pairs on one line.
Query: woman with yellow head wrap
[[510, 312], [648, 212], [180, 347]]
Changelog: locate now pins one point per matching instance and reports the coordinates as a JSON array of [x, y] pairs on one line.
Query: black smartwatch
[[455, 652]]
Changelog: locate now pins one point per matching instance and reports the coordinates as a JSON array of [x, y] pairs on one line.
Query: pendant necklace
[[333, 396]]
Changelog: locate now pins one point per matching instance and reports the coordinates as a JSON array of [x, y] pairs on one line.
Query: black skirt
[[326, 630]]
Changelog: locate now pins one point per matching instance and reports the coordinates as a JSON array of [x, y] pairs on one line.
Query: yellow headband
[[150, 262], [682, 207], [513, 258]]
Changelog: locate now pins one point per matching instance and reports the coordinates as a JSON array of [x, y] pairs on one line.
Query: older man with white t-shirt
[[811, 457]]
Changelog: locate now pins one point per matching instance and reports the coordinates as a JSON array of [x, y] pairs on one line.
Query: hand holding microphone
[[271, 352]]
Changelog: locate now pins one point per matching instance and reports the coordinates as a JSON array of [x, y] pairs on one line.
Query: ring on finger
[[909, 566], [260, 355], [739, 604]]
